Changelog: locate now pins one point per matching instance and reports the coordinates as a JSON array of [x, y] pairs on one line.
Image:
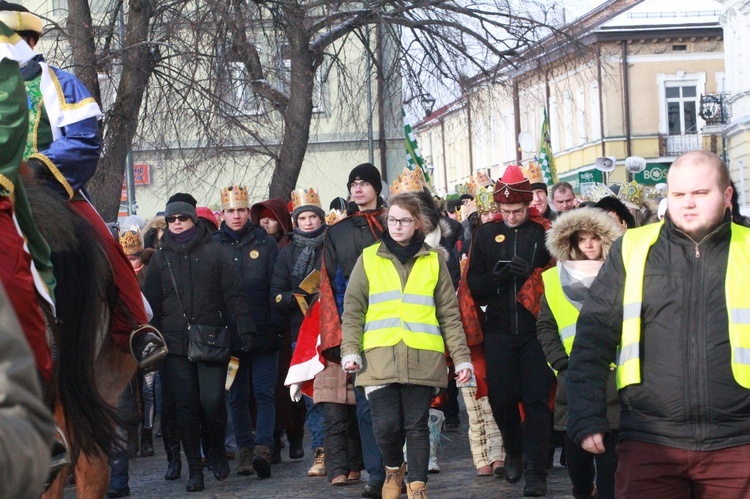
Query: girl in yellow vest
[[580, 240], [400, 314]]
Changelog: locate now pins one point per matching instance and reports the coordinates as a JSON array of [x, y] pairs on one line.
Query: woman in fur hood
[[580, 241]]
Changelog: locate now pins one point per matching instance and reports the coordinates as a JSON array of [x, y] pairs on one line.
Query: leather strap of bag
[[176, 289]]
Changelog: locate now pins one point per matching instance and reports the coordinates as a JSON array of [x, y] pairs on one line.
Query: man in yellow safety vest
[[670, 307]]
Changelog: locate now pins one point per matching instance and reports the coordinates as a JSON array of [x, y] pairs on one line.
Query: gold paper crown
[[305, 197], [335, 216], [631, 193], [533, 173], [484, 199], [131, 241], [408, 181], [234, 196], [467, 209], [597, 192], [481, 179], [462, 189]]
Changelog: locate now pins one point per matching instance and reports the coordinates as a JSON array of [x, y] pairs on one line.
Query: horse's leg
[[56, 489], [114, 369]]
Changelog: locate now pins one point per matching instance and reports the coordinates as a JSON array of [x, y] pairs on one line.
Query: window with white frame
[[568, 120], [554, 125], [594, 111], [679, 97], [581, 115], [494, 139], [509, 139], [240, 98], [682, 108]]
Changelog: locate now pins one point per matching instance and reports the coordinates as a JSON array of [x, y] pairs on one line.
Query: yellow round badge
[[499, 238], [278, 298], [254, 254]]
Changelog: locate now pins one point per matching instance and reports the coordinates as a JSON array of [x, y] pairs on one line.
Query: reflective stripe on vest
[[636, 244], [395, 314], [565, 313]]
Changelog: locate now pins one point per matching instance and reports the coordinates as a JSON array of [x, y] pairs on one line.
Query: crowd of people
[[600, 324]]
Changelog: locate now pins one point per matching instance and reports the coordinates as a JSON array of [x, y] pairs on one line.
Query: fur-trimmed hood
[[151, 229], [560, 237]]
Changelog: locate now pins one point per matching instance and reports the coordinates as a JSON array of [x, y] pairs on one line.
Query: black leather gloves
[[503, 270], [247, 341]]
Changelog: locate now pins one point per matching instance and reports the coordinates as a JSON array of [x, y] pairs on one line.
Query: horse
[[90, 372]]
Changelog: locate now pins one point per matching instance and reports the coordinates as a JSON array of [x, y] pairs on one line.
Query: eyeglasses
[[173, 218], [507, 213], [358, 183], [403, 222]]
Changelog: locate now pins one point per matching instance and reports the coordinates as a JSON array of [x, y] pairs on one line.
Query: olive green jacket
[[400, 363]]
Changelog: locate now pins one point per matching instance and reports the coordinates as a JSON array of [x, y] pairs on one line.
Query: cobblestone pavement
[[289, 480]]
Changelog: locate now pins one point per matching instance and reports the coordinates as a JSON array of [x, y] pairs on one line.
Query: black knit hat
[[367, 172], [182, 204]]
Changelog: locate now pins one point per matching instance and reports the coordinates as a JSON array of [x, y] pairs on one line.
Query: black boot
[[148, 348], [276, 453], [147, 442], [218, 433], [172, 447], [296, 448], [191, 442]]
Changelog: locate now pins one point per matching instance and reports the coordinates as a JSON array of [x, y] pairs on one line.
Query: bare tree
[[236, 79]]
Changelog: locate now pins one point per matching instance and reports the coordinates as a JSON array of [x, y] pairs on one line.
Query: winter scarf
[[309, 242], [404, 253], [184, 236]]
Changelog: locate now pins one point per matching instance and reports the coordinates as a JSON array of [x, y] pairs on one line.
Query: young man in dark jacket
[[670, 307], [504, 254], [344, 244], [254, 254]]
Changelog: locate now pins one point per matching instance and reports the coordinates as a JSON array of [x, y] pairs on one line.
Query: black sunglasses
[[173, 218]]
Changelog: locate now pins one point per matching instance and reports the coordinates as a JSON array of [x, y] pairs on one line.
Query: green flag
[[414, 158], [546, 160]]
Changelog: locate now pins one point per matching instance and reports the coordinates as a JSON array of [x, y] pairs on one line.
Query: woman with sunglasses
[[400, 314], [192, 280]]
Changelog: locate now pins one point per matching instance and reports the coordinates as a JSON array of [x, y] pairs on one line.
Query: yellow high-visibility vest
[[395, 314], [635, 247], [565, 313]]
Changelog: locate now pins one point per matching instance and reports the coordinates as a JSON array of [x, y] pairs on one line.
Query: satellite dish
[[635, 164], [526, 141], [605, 163]]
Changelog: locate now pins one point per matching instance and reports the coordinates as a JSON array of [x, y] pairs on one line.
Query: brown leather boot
[[416, 490], [245, 466], [262, 461], [394, 479]]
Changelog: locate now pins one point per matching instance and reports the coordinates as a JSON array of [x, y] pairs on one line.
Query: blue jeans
[[370, 450], [314, 418], [265, 368], [119, 463]]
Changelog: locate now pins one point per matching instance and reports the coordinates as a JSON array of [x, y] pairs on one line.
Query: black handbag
[[208, 343], [205, 343]]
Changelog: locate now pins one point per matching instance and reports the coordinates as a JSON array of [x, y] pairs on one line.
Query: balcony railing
[[674, 145]]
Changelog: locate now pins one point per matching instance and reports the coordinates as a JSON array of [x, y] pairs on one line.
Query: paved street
[[457, 479]]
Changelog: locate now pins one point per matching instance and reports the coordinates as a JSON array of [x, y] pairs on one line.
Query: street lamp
[[427, 100]]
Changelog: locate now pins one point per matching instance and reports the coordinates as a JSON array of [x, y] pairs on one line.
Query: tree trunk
[[81, 39], [137, 66], [296, 126]]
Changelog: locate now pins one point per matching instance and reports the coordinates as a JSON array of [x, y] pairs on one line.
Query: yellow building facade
[[629, 85]]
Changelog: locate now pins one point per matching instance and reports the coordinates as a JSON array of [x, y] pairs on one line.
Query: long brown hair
[[413, 205]]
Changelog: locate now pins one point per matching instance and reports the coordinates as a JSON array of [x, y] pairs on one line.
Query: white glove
[[295, 392]]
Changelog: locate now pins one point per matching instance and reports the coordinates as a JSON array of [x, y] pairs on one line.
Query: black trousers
[[400, 414], [343, 447], [584, 466], [518, 372]]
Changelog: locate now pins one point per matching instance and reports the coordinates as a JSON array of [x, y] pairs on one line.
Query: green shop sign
[[655, 173]]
